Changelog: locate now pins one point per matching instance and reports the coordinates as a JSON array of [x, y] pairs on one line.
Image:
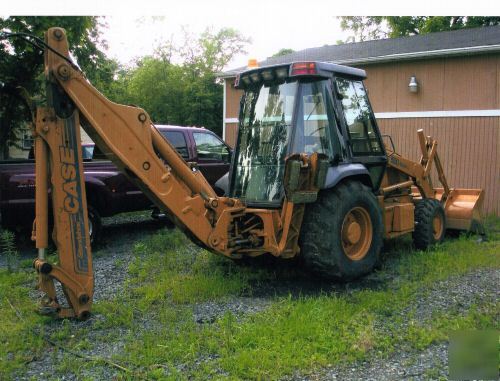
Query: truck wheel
[[341, 236], [430, 223], [94, 225]]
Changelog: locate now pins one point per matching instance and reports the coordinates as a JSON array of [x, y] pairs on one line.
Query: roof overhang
[[473, 50]]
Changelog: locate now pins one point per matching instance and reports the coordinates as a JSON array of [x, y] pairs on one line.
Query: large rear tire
[[341, 235], [430, 223]]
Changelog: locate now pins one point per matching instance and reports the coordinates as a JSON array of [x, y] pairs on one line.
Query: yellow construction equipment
[[310, 176]]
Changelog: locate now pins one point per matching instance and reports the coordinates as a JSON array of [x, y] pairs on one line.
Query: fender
[[98, 194], [333, 176], [341, 171]]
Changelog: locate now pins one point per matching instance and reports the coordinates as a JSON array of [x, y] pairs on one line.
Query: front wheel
[[430, 223], [342, 232]]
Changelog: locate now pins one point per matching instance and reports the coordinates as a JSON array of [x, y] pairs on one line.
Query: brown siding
[[470, 83], [468, 148], [457, 83], [498, 83], [232, 99], [381, 86], [231, 131]]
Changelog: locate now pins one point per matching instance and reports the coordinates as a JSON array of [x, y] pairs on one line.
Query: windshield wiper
[[314, 109]]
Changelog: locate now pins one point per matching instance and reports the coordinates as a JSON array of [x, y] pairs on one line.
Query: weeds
[[9, 250]]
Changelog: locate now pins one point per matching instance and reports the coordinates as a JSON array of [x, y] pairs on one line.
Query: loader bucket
[[463, 209]]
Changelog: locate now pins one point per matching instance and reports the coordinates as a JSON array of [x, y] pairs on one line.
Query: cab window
[[316, 129], [359, 118], [210, 147]]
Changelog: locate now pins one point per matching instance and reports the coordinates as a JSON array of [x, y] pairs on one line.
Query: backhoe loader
[[310, 176]]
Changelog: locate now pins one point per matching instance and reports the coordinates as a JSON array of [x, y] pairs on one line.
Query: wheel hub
[[353, 233], [437, 226], [356, 233]]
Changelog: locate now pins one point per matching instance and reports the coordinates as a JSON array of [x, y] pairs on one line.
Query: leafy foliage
[[376, 27], [177, 85], [21, 64], [283, 52], [185, 93], [363, 28]]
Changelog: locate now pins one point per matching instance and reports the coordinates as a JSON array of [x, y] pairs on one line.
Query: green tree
[[283, 52], [21, 64], [363, 28], [212, 50], [156, 85], [185, 93], [375, 27]]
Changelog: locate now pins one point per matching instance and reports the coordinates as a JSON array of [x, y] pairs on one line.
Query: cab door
[[360, 127], [212, 155]]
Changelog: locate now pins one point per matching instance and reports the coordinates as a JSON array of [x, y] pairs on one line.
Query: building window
[[27, 140]]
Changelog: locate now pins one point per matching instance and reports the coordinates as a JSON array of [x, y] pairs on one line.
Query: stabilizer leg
[[58, 152]]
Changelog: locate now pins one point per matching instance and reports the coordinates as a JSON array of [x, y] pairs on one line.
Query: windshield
[[266, 135], [263, 138]]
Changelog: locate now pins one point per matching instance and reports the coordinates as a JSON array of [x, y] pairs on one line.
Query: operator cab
[[301, 107]]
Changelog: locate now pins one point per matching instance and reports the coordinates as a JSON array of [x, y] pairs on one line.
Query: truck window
[[359, 118], [87, 152], [210, 147], [177, 139]]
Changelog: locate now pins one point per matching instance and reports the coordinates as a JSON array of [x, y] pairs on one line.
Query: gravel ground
[[110, 260], [208, 312], [456, 294], [428, 364]]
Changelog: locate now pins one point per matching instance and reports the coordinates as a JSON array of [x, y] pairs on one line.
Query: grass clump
[[9, 250], [168, 267], [19, 342]]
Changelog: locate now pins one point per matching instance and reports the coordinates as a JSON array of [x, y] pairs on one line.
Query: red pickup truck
[[109, 192]]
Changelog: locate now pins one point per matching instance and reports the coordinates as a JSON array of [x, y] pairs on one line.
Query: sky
[[136, 27], [270, 27]]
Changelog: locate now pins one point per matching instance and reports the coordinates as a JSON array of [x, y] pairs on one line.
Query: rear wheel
[[430, 223], [341, 235]]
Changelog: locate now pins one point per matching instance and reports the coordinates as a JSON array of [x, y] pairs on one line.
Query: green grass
[[19, 344], [168, 275]]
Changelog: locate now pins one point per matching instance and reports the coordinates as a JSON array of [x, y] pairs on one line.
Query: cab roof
[[323, 69]]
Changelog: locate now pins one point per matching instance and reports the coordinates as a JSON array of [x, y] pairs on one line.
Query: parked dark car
[[109, 192]]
